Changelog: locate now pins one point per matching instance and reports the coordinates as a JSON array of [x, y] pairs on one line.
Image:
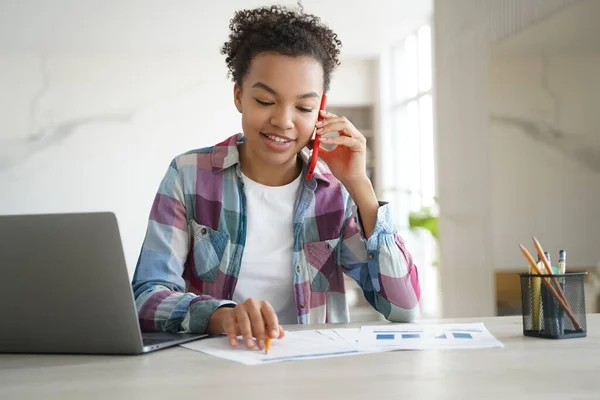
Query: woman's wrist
[[215, 322]]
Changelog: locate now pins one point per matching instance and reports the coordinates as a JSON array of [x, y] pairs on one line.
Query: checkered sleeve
[[381, 265], [158, 284]]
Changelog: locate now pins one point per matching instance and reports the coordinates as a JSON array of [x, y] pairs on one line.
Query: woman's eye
[[263, 103], [268, 103]]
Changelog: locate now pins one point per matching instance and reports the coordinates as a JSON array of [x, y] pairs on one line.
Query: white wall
[[541, 184], [463, 33], [354, 83], [129, 117], [95, 132]]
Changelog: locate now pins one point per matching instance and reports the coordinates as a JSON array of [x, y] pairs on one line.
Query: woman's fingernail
[[233, 342], [249, 343], [319, 130], [319, 123], [274, 333], [324, 139], [261, 344]]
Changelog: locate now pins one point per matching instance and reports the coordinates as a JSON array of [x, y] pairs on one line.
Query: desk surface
[[526, 368]]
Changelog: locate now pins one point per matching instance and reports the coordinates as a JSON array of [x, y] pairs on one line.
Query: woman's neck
[[266, 174]]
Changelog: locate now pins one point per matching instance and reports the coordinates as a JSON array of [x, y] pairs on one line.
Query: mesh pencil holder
[[547, 314]]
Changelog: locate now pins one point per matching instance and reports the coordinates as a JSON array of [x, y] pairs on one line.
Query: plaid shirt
[[192, 252]]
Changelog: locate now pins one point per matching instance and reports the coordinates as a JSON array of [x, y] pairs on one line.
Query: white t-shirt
[[267, 272]]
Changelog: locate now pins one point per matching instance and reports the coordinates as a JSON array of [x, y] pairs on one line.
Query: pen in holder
[[558, 319]]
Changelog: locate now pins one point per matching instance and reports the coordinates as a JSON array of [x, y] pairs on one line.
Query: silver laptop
[[65, 288]]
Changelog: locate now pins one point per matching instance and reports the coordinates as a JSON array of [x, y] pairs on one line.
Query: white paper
[[352, 336], [426, 337], [349, 335], [310, 344], [328, 333], [301, 345]]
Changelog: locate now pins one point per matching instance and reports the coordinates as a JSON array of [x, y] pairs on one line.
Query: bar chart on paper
[[423, 337]]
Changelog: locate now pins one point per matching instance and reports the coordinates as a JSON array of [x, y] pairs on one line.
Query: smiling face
[[279, 101]]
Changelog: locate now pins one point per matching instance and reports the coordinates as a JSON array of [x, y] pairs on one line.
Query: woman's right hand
[[253, 319]]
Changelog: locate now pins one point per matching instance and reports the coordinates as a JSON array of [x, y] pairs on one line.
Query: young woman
[[239, 241]]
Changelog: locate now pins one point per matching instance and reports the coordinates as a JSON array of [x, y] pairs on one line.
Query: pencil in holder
[[545, 315]]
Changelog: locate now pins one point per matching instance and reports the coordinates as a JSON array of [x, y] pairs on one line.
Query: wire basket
[[544, 315]]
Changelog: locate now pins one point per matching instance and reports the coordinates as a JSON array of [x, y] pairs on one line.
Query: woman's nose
[[283, 118]]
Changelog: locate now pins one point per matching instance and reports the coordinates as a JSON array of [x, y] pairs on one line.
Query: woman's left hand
[[348, 160]]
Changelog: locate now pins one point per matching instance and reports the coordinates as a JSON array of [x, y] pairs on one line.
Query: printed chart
[[423, 337]]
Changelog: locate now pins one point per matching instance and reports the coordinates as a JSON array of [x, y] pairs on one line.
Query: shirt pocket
[[210, 251], [321, 258]]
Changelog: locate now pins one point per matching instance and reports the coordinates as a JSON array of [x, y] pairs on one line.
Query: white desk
[[526, 368]]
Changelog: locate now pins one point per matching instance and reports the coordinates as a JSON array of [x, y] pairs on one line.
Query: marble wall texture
[[465, 32]]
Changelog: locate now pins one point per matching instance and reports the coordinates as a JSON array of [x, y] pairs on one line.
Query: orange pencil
[[267, 345]]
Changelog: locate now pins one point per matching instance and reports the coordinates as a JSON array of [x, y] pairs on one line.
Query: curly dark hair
[[281, 30]]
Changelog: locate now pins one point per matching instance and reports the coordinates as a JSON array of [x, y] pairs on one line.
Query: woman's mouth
[[278, 143], [276, 139]]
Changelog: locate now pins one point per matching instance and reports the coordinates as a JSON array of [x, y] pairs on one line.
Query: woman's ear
[[237, 97]]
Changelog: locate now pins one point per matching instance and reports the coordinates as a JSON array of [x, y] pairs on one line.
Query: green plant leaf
[[425, 218]]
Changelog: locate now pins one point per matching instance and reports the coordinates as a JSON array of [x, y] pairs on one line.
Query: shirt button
[[297, 268], [301, 305], [327, 246], [203, 231], [370, 256]]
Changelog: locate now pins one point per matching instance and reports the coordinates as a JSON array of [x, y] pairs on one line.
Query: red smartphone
[[315, 148]]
